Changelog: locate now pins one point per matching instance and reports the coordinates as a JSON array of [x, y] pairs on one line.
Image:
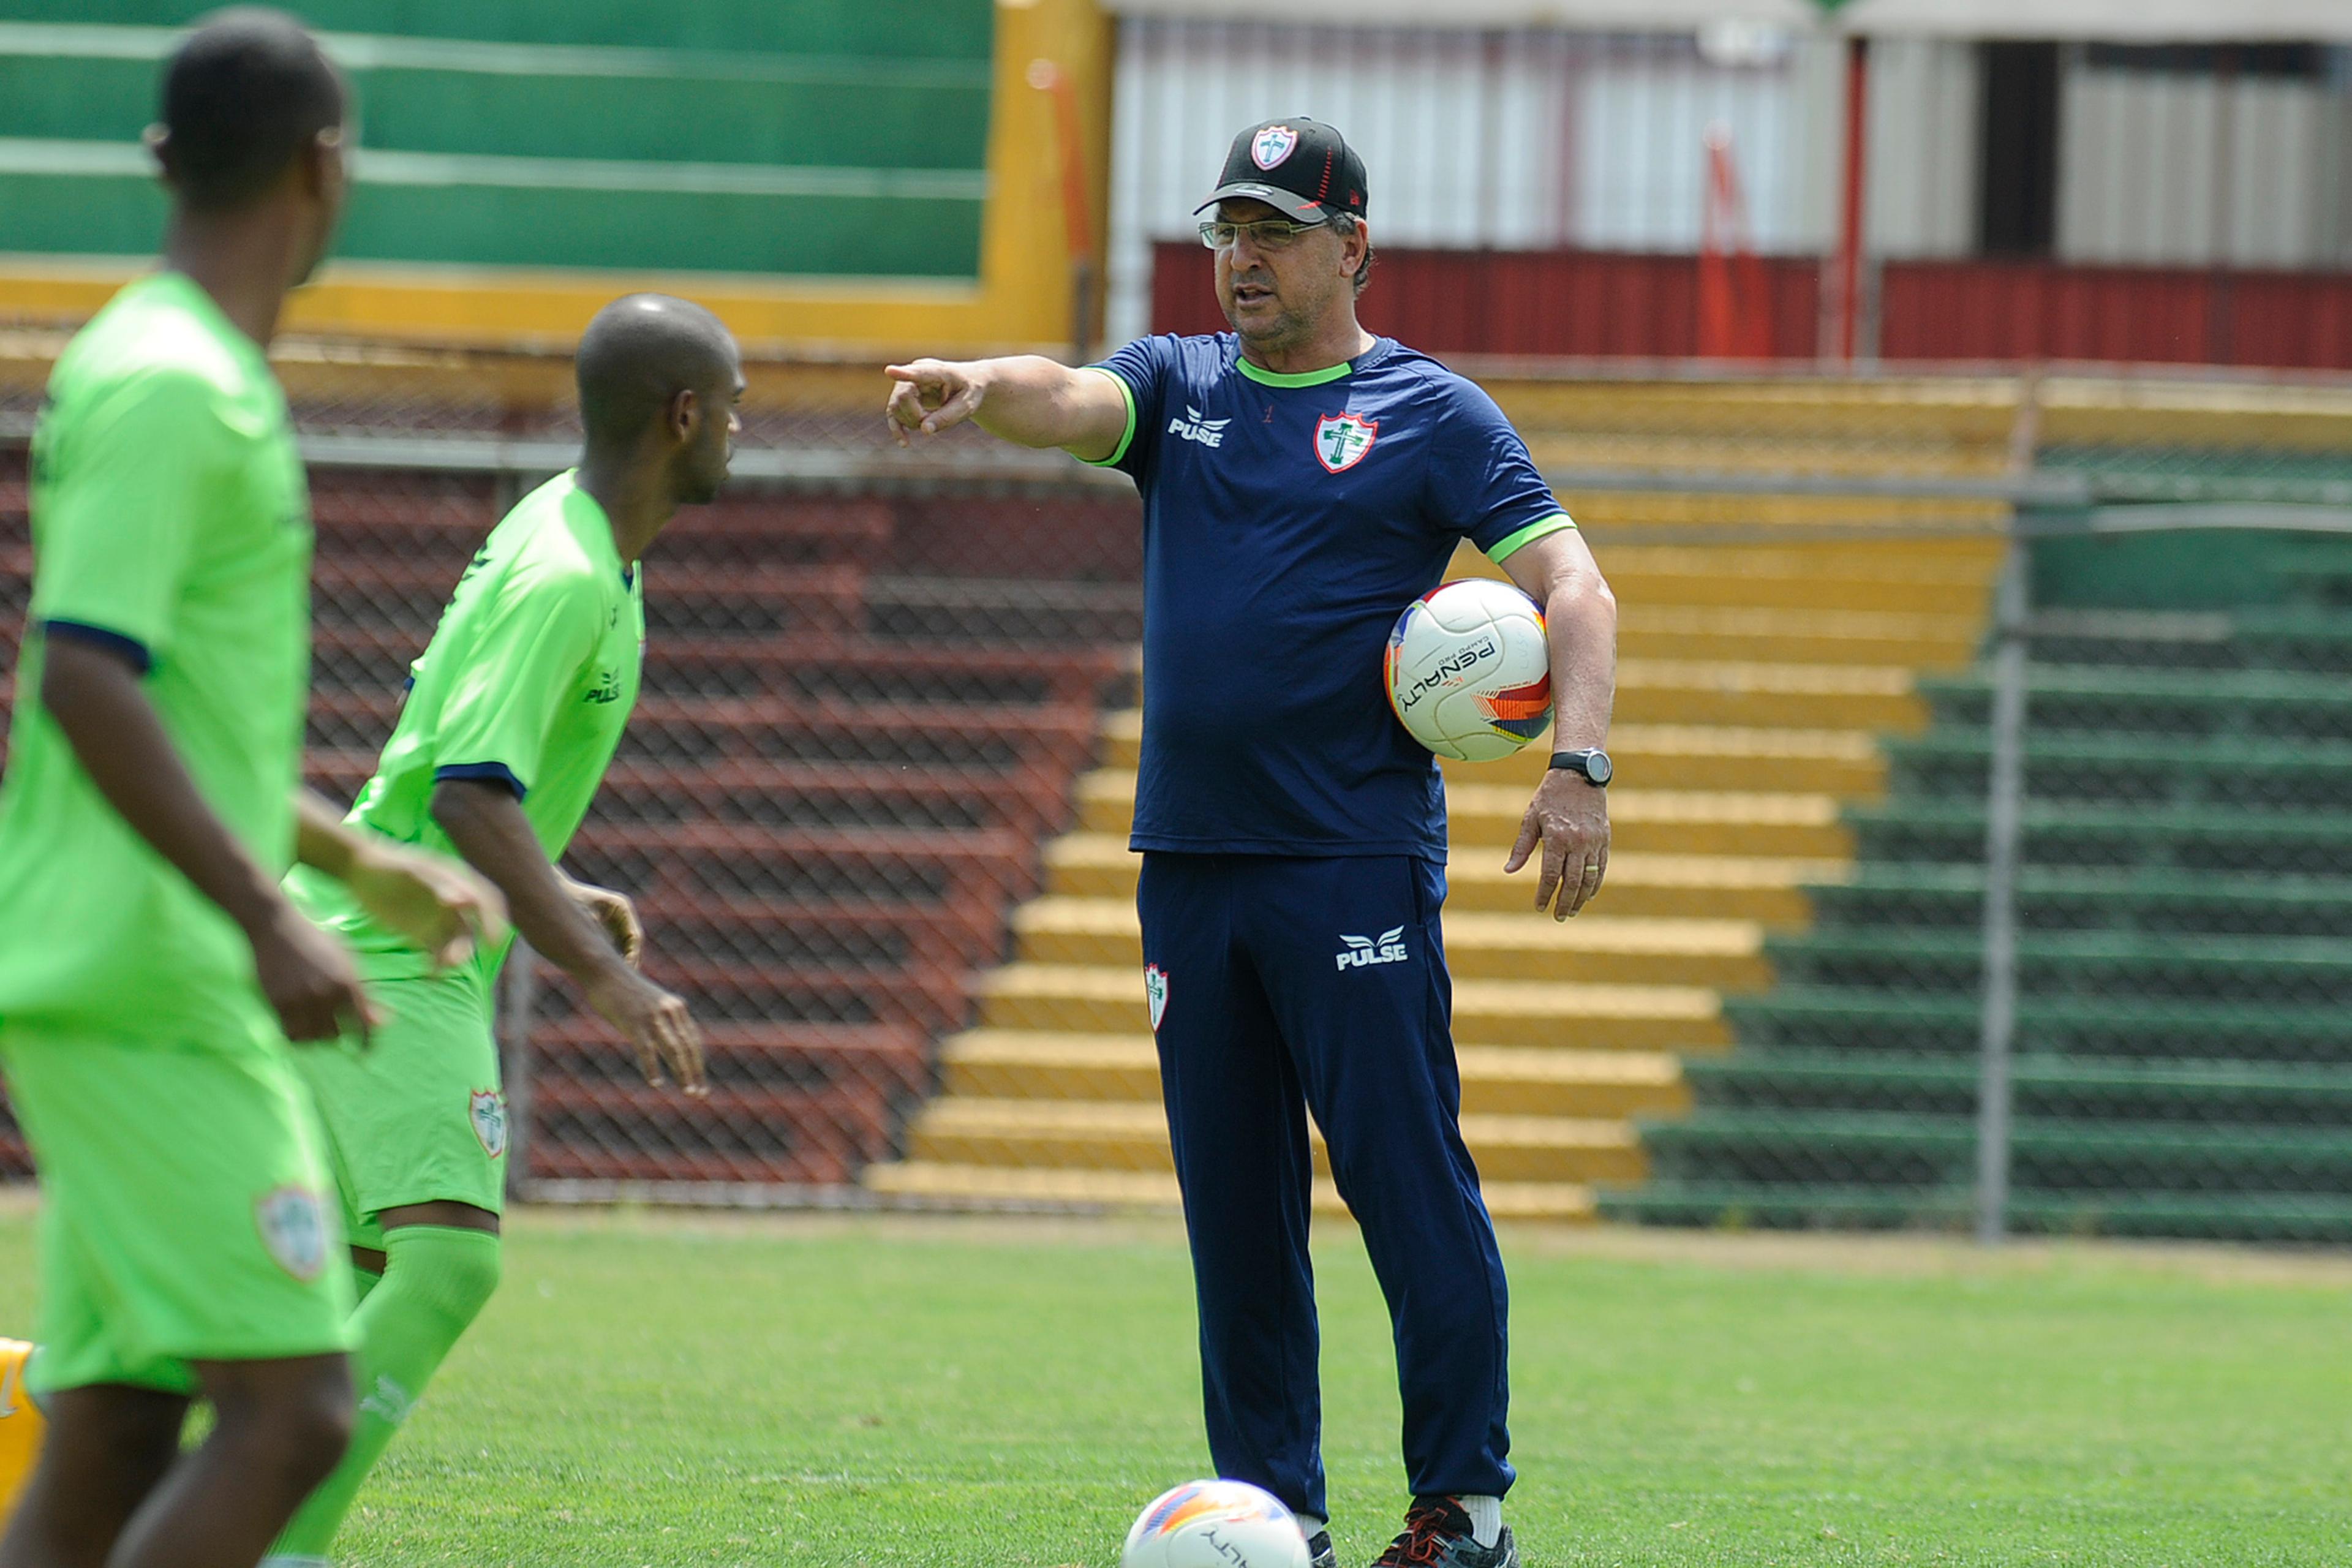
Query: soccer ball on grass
[[1216, 1524]]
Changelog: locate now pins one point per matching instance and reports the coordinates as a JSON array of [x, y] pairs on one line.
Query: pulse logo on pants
[[1362, 952]]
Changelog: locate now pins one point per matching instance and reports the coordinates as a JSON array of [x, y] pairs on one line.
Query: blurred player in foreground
[[1303, 481], [512, 715], [152, 971]]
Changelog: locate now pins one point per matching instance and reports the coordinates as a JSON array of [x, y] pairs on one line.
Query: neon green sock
[[363, 1280], [436, 1279]]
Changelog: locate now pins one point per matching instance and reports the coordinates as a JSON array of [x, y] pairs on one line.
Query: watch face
[[1596, 767]]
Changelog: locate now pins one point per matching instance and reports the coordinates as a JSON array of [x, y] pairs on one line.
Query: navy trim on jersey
[[482, 772], [112, 642]]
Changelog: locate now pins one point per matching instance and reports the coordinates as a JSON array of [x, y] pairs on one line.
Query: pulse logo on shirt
[[608, 688], [1363, 951], [1192, 428]]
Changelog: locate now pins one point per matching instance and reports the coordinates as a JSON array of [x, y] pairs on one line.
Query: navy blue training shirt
[[1288, 521]]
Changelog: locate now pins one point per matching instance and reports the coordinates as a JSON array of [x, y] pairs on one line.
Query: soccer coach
[[1304, 480]]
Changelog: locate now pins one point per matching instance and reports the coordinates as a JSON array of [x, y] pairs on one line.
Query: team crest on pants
[[1155, 992], [1342, 439], [294, 1229], [488, 1111]]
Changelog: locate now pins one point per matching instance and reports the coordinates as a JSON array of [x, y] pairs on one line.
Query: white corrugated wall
[[1525, 138], [2178, 168]]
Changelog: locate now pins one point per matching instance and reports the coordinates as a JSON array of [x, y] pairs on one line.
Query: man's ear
[[157, 139], [685, 410], [324, 171]]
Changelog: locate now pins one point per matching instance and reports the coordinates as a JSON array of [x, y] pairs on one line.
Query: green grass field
[[660, 1389]]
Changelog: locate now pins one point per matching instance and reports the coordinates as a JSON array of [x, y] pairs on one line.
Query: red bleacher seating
[[861, 716]]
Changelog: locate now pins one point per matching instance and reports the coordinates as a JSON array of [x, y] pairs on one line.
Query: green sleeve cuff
[[1557, 522], [1127, 437]]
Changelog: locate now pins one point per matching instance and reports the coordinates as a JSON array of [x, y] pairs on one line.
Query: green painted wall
[[860, 136]]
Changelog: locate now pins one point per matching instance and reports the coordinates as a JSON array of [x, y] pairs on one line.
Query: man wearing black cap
[[1304, 480]]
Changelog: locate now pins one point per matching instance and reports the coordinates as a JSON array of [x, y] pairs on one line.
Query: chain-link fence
[[873, 801]]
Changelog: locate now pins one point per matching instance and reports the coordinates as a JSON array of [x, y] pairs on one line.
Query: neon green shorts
[[185, 1208], [419, 1118]]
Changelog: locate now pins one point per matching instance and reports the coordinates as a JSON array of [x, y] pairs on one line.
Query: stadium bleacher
[[2185, 900], [1755, 677]]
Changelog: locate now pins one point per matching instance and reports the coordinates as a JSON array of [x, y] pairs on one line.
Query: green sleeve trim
[[1126, 437], [1557, 522], [1302, 378]]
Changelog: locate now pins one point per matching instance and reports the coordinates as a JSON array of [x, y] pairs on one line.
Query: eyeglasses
[[1268, 234]]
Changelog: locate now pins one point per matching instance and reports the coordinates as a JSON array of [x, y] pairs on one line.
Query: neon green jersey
[[170, 521], [527, 682]]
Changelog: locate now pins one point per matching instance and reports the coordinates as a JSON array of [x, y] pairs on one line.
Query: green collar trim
[[1304, 378]]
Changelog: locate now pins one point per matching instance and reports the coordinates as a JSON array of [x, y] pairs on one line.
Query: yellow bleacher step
[[1503, 1080], [1696, 822], [1844, 763], [1757, 455], [1727, 955], [1568, 1202], [1762, 695], [1088, 999], [1847, 763], [1127, 1135], [1768, 889], [1727, 634], [1794, 579]]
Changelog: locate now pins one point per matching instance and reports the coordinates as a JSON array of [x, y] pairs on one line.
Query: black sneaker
[[1437, 1536], [1321, 1553]]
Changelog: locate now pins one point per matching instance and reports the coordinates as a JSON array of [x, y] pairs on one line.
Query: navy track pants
[[1282, 985]]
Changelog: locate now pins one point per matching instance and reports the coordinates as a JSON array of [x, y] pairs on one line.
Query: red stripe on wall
[[1576, 304]]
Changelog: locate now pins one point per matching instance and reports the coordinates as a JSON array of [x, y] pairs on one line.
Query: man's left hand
[[616, 913], [1570, 818], [441, 905]]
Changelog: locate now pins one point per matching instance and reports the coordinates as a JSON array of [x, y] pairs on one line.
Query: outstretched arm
[[93, 692], [486, 825], [1568, 818], [1027, 400]]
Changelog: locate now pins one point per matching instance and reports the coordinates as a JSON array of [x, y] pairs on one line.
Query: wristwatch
[[1590, 764]]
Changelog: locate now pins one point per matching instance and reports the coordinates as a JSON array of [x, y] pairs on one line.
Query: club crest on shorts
[[488, 1109], [1273, 145], [293, 1228], [1342, 439], [1155, 992]]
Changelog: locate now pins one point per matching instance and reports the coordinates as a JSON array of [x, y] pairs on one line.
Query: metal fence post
[[2005, 810]]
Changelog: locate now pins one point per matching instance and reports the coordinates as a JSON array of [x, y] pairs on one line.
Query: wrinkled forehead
[[1246, 209]]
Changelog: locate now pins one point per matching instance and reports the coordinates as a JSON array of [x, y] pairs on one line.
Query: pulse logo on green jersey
[[608, 688]]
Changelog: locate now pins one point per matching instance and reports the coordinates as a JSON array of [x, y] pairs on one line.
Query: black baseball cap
[[1302, 167]]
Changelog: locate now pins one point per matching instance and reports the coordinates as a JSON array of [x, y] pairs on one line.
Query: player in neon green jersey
[[152, 971], [512, 715]]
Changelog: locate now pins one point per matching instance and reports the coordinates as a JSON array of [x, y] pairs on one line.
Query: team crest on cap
[[1342, 439], [1273, 145], [488, 1109]]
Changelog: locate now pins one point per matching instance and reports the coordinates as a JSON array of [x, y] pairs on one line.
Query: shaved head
[[639, 353], [659, 377], [242, 97]]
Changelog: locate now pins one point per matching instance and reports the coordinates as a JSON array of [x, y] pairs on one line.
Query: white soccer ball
[[1469, 670], [1216, 1524]]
